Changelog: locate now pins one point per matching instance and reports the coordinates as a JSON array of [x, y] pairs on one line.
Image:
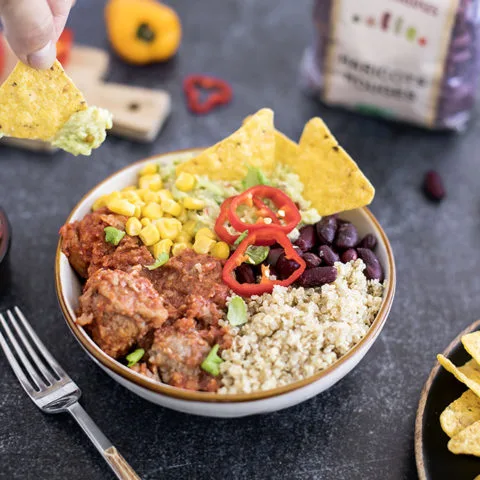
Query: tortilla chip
[[460, 414], [332, 180], [466, 374], [471, 343], [286, 150], [35, 104], [467, 441], [253, 144]]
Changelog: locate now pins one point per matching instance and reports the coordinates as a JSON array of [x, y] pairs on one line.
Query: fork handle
[[116, 462]]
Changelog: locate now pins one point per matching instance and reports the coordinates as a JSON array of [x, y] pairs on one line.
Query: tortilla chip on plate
[[467, 441], [333, 182], [466, 374], [35, 104], [253, 144], [460, 414]]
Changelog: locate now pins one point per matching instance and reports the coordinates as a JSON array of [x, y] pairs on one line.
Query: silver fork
[[51, 389]]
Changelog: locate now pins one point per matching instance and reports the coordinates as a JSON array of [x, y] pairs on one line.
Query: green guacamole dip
[[84, 131]]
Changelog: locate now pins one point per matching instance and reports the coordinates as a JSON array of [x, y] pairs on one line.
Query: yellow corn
[[150, 182], [178, 248], [149, 169], [150, 196], [168, 228], [100, 202], [220, 250], [163, 246], [185, 182], [145, 221], [206, 232], [131, 196], [152, 210], [133, 226], [203, 244], [165, 195], [138, 211], [190, 226], [171, 207], [121, 206], [183, 237], [193, 203], [141, 192], [149, 235], [129, 188]]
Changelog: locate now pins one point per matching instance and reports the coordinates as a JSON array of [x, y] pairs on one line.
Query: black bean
[[368, 241], [285, 267], [316, 277], [349, 255], [312, 260], [347, 236], [328, 256], [273, 256], [245, 274], [374, 270], [433, 186], [307, 239], [326, 229]]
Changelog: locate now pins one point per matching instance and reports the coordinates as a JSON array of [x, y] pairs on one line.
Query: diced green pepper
[[211, 364], [134, 357], [237, 312], [161, 260], [257, 255], [113, 235]]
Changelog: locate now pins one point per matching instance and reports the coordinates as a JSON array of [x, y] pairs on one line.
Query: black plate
[[434, 460]]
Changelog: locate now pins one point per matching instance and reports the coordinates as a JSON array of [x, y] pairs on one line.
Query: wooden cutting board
[[138, 113]]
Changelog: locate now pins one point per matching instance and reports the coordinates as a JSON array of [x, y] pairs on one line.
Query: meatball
[[120, 309]]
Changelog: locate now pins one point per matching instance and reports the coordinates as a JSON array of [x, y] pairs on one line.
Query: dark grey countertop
[[362, 428]]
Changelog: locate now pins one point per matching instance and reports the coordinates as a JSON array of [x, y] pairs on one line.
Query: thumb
[[30, 31]]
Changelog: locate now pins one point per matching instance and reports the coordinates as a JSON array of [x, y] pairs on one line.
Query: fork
[[50, 388]]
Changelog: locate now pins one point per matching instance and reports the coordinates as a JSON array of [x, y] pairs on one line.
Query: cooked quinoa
[[294, 333]]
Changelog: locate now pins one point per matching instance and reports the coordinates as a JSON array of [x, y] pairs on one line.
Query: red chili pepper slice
[[222, 218], [254, 196], [266, 285], [219, 93]]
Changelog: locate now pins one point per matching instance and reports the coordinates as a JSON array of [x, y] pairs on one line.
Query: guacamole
[[84, 131]]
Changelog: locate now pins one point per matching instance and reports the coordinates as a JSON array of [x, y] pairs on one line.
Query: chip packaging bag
[[414, 61]]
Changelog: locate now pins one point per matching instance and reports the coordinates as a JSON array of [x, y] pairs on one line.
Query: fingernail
[[43, 58]]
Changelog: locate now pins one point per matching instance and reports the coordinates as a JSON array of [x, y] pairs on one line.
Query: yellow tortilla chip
[[471, 343], [467, 441], [332, 180], [286, 150], [35, 104], [251, 145], [467, 374], [460, 414]]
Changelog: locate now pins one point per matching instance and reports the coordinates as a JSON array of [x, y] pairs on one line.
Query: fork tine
[[39, 364], [17, 369], [41, 347]]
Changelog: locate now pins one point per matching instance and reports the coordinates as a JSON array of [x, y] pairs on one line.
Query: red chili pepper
[[254, 196], [219, 93], [64, 46], [266, 285], [222, 218]]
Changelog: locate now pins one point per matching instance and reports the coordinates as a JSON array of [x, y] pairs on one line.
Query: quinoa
[[294, 333]]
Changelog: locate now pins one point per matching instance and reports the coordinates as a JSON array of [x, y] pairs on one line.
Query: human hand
[[32, 28]]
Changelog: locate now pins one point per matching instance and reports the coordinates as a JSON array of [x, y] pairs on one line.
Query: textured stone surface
[[362, 428]]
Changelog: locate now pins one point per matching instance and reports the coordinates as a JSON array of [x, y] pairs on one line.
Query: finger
[[60, 10], [30, 31]]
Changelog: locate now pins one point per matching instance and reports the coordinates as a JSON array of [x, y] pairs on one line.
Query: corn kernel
[[133, 226], [149, 169], [190, 226], [100, 202], [183, 237], [185, 182], [112, 196], [178, 248], [131, 196], [149, 235], [193, 203], [163, 246], [150, 182], [141, 193], [220, 250], [145, 221], [152, 210], [121, 206], [171, 207], [203, 244], [150, 196], [129, 188], [168, 228], [165, 195], [138, 211], [206, 232]]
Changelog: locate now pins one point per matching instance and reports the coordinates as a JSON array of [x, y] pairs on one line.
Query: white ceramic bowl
[[69, 286]]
